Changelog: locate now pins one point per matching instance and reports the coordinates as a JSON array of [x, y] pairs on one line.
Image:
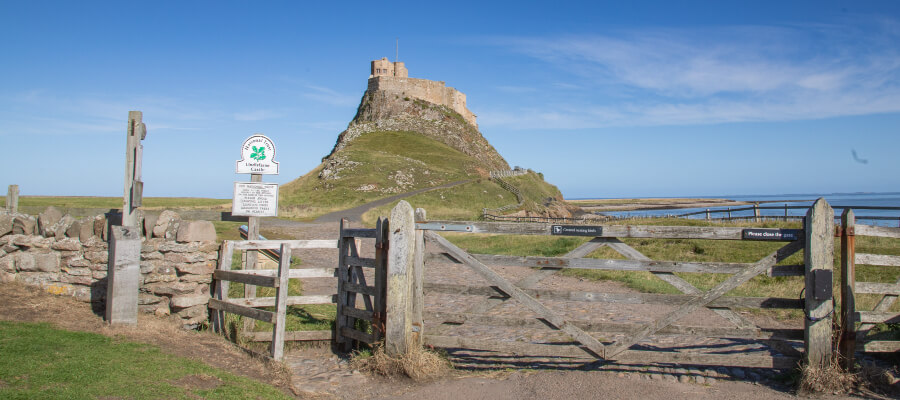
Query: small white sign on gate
[[255, 199], [257, 156]]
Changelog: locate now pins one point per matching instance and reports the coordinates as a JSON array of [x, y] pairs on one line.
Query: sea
[[886, 211]]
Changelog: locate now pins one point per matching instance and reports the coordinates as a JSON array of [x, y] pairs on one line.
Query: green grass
[[38, 361], [463, 202], [116, 202], [380, 155]]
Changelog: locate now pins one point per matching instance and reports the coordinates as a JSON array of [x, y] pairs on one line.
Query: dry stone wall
[[69, 256]]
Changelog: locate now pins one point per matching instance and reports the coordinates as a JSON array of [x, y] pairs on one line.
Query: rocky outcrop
[[386, 111]]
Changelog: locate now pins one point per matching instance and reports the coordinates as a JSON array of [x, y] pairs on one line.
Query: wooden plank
[[550, 316], [281, 294], [620, 231], [292, 336], [878, 288], [881, 231], [878, 259], [818, 256], [874, 317], [360, 289], [381, 246], [291, 300], [359, 233], [880, 346], [357, 275], [716, 292], [358, 336], [221, 286], [631, 356], [249, 312], [451, 319], [626, 298], [620, 265], [361, 261], [276, 244], [246, 277], [295, 273], [358, 314]]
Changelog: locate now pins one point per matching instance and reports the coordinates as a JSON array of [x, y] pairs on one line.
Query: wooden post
[[400, 281], [12, 198], [418, 275], [281, 293], [251, 256], [123, 277], [134, 187], [342, 343], [847, 344], [707, 214], [785, 212], [381, 257], [756, 212], [221, 293], [729, 213], [819, 260]]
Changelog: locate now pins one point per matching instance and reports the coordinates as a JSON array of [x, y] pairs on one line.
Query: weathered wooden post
[[134, 154], [12, 198], [401, 322], [756, 212], [847, 344], [819, 260], [707, 214], [123, 274]]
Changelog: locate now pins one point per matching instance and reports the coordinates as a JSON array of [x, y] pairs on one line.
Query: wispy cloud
[[712, 75]]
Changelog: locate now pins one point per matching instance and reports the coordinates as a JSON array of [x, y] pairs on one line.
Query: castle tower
[[383, 67]]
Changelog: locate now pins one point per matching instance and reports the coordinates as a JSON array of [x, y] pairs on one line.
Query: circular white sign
[[257, 156]]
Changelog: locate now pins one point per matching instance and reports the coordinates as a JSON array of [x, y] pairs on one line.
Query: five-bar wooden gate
[[816, 239]]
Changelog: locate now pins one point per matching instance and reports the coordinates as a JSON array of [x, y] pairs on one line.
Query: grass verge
[[38, 361]]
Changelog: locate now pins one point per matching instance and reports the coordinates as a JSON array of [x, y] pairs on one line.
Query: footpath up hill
[[398, 143]]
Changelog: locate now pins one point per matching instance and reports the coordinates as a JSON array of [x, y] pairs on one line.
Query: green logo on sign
[[259, 153]]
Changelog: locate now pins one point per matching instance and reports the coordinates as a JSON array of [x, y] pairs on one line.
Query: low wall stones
[[68, 256]]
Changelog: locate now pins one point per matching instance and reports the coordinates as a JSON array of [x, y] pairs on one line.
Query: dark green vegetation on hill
[[38, 361]]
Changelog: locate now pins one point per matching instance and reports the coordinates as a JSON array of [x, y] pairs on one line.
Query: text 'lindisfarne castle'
[[394, 77]]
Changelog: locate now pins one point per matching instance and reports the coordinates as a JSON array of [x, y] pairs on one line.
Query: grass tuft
[[419, 365]]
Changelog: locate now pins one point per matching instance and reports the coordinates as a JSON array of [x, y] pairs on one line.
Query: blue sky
[[607, 99]]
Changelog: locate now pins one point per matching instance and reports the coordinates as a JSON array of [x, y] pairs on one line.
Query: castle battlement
[[394, 77]]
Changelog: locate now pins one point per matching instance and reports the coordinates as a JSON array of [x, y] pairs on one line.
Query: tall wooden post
[[756, 212], [418, 293], [847, 345], [12, 198], [134, 187], [819, 259], [251, 257], [400, 320]]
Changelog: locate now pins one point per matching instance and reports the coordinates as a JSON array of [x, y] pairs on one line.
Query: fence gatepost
[[401, 281], [819, 260], [12, 199], [847, 345]]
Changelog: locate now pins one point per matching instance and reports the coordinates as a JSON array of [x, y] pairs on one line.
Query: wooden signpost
[[255, 199], [123, 276]]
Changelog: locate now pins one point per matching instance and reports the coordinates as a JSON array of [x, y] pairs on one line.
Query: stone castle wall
[[66, 256], [431, 91]]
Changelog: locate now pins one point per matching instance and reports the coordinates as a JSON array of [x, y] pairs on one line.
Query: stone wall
[[431, 91], [68, 256]]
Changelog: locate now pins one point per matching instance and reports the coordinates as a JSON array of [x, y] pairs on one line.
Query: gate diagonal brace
[[586, 340], [707, 297]]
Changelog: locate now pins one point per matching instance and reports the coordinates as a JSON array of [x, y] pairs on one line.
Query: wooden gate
[[857, 337], [351, 282], [817, 302]]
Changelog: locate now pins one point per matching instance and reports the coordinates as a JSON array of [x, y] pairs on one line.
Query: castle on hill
[[393, 77]]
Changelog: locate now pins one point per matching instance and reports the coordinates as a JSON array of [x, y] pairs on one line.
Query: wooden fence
[[351, 282], [817, 241], [856, 337]]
